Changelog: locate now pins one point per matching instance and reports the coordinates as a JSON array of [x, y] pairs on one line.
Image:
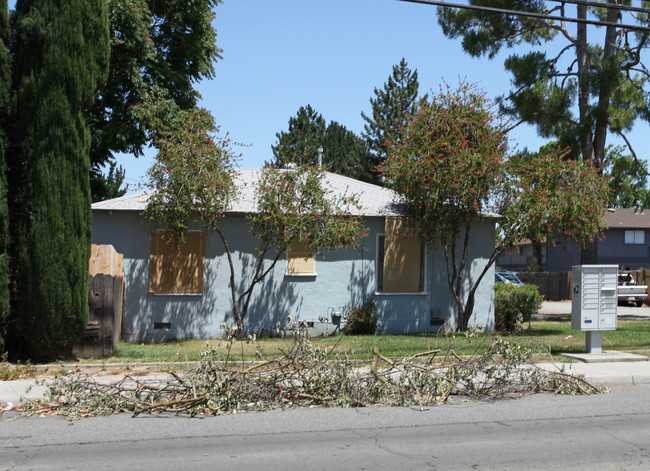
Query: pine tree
[[344, 152], [628, 179], [347, 154], [390, 109], [575, 83], [60, 60], [107, 186], [5, 81], [299, 145]]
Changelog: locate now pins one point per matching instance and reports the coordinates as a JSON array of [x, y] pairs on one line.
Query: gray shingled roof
[[375, 200], [624, 218]]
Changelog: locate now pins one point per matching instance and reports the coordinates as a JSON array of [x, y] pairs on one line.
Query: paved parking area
[[554, 308]]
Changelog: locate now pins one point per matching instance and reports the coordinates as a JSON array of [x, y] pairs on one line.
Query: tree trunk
[[239, 319], [589, 254], [610, 81], [467, 312], [593, 151], [582, 56]]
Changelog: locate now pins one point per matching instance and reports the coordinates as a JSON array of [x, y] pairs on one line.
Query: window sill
[[177, 294], [419, 293], [300, 275]]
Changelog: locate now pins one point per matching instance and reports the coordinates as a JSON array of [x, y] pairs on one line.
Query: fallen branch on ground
[[306, 375]]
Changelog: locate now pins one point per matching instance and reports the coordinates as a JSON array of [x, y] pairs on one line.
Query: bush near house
[[362, 320], [514, 305]]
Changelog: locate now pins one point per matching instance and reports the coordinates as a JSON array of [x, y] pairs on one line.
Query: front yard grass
[[543, 336]]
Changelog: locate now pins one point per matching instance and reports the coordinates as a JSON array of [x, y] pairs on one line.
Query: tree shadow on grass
[[552, 318]]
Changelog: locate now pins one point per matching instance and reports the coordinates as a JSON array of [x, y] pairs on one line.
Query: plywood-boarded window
[[400, 259], [177, 270], [300, 259]]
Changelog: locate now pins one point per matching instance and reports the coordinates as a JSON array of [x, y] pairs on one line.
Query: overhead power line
[[542, 16], [613, 6]]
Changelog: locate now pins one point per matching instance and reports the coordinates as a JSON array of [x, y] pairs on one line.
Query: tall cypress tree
[[61, 57], [5, 81]]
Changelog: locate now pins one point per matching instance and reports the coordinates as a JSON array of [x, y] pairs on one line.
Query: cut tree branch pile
[[307, 376]]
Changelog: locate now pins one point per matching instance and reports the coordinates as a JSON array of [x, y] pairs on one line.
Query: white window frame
[[635, 237], [298, 274], [379, 256]]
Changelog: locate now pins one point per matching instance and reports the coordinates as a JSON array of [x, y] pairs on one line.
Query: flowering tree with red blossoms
[[195, 184], [296, 206], [451, 169], [193, 175]]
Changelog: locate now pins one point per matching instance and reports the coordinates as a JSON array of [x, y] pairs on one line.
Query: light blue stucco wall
[[342, 278]]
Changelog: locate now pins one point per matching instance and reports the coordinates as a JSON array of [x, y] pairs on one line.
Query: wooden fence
[[555, 286], [105, 294], [641, 276], [105, 259]]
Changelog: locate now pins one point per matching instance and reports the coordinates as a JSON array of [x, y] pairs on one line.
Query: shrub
[[514, 305], [362, 320]]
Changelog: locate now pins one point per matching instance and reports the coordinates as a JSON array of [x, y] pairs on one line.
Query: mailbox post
[[595, 302]]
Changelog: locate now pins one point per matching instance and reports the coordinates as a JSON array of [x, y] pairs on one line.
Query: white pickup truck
[[629, 291]]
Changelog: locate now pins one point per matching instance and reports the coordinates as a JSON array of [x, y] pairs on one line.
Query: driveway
[[556, 308]]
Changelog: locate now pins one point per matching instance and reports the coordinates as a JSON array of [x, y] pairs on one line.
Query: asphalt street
[[551, 432], [544, 431]]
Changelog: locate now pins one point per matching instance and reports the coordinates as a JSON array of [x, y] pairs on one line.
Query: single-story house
[[163, 302]]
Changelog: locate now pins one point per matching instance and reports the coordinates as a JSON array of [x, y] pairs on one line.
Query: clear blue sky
[[283, 54]]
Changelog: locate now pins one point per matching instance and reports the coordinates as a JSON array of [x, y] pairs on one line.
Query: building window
[[300, 259], [177, 270], [635, 237], [400, 259]]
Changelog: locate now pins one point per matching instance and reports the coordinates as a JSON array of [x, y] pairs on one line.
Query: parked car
[[507, 277], [629, 291]]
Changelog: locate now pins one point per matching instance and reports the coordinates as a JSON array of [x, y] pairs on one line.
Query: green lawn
[[630, 335], [553, 335]]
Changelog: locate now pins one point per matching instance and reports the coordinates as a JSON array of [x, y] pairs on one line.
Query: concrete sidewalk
[[18, 391], [607, 368]]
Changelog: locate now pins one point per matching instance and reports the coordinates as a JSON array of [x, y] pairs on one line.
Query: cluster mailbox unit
[[595, 302]]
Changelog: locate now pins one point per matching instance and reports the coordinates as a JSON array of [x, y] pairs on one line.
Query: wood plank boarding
[[106, 260]]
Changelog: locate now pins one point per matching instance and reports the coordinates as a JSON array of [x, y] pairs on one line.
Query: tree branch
[[233, 288], [639, 165]]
